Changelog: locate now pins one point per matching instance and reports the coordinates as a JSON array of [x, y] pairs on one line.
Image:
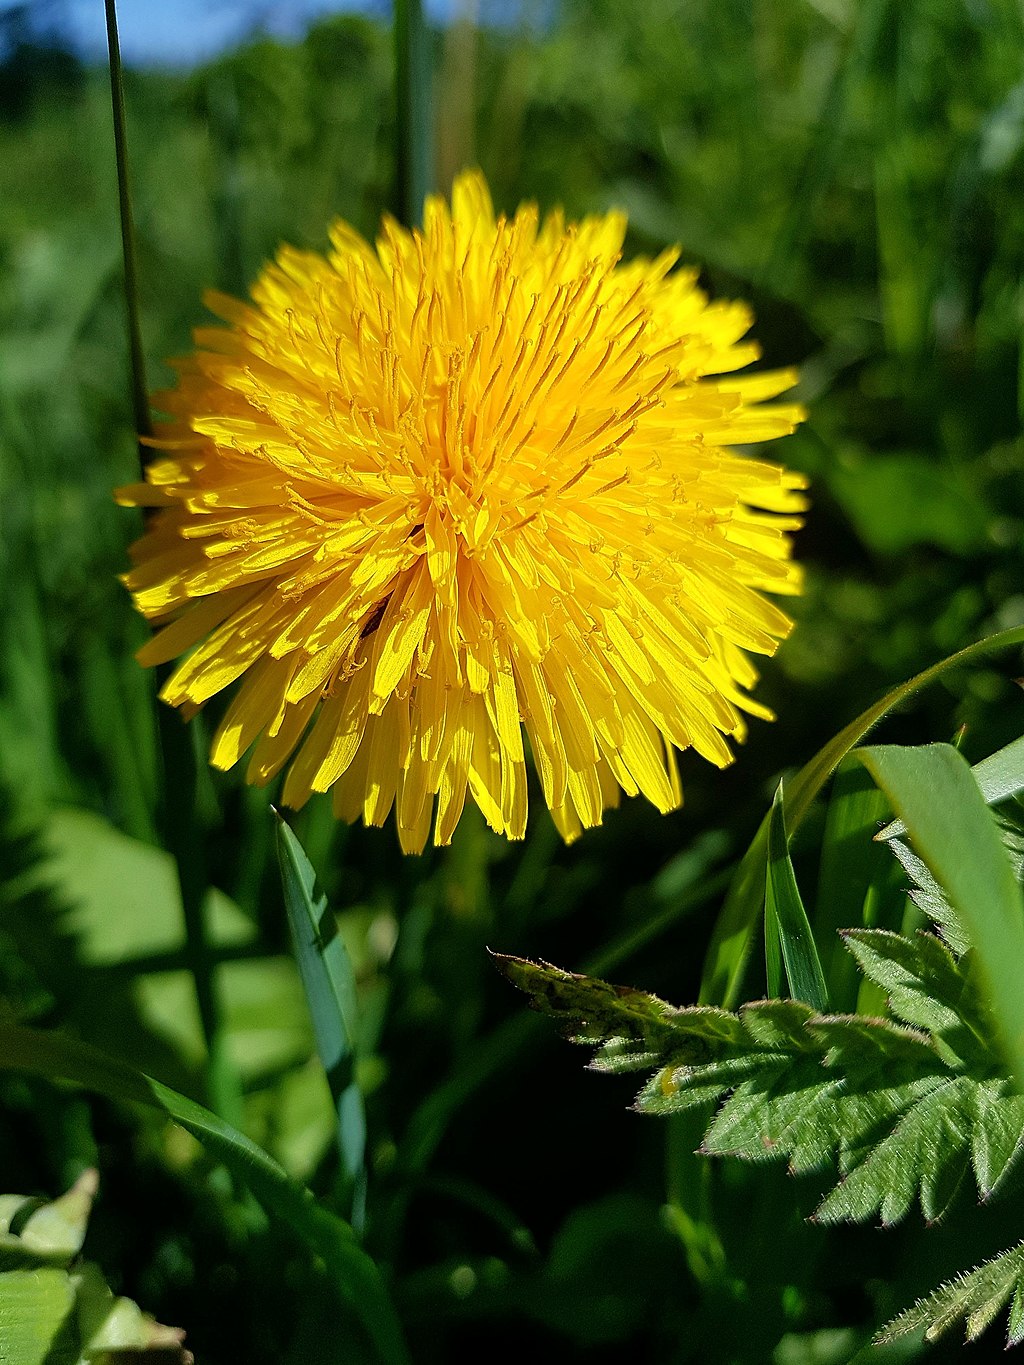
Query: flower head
[[462, 492]]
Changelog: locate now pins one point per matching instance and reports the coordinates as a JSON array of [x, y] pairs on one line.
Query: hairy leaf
[[975, 1299], [926, 987], [904, 1108]]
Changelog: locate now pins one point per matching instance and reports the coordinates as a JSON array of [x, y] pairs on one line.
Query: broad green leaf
[[925, 504], [114, 958], [730, 944], [125, 893], [975, 1299], [107, 1323], [36, 1313], [329, 983], [356, 1276], [935, 794], [782, 897], [265, 1022], [999, 777], [293, 1118]]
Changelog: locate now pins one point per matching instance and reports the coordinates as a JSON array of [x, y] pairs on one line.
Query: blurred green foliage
[[850, 166]]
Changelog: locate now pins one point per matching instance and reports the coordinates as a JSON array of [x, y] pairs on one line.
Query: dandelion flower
[[461, 495]]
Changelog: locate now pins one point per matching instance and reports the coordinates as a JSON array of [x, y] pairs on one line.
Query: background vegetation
[[850, 166]]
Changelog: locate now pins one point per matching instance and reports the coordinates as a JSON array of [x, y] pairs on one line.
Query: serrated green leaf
[[677, 1090], [905, 1109], [777, 1109], [595, 1011], [929, 897], [975, 1298], [1015, 1322], [785, 908], [818, 1098], [779, 1025], [926, 987], [982, 1317], [934, 792], [998, 1134], [924, 1155]]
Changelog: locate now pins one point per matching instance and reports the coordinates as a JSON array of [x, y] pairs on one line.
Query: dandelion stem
[[182, 833], [412, 93]]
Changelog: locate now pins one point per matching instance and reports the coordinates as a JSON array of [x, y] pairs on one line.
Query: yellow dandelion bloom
[[461, 493]]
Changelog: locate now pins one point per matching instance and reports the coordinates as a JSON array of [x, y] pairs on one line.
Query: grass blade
[[356, 1276], [785, 908], [813, 776], [934, 792], [730, 943], [858, 881], [329, 984], [773, 970], [999, 777]]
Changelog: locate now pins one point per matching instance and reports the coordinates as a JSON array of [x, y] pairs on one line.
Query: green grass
[[853, 170]]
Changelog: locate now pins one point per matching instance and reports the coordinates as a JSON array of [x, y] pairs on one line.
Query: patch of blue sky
[[187, 32]]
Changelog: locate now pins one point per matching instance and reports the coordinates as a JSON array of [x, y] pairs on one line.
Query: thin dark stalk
[[182, 833], [139, 389], [412, 94]]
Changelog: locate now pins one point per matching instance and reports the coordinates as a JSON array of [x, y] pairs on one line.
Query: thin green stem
[[412, 95], [182, 832], [139, 389]]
